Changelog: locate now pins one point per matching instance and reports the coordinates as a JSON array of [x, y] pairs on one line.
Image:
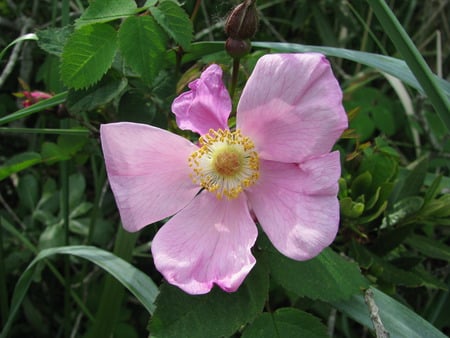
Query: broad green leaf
[[18, 163], [326, 277], [216, 314], [143, 46], [35, 108], [106, 10], [286, 322], [398, 320], [53, 39], [138, 283], [175, 22], [102, 93], [429, 247], [412, 182], [403, 209], [87, 55]]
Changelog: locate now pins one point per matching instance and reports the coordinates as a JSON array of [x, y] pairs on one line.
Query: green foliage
[[142, 44], [286, 322], [175, 22], [123, 60], [87, 55]]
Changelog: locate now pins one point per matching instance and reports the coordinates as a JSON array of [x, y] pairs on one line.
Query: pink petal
[[292, 107], [148, 172], [207, 242], [297, 205], [206, 106]]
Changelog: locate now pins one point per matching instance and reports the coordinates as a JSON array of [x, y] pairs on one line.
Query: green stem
[[234, 76], [195, 10], [413, 58]]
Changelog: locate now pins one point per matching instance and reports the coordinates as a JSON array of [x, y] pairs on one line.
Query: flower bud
[[237, 48], [242, 23]]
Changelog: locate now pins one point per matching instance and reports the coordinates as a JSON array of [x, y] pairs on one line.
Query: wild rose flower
[[33, 97], [276, 165]]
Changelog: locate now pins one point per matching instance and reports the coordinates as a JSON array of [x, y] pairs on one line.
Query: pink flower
[[276, 165], [34, 97]]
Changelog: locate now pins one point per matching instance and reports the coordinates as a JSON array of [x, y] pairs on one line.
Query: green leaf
[[102, 93], [26, 37], [286, 322], [217, 314], [138, 283], [53, 39], [175, 22], [87, 55], [18, 163], [106, 10], [429, 247], [398, 320], [403, 209], [28, 191], [410, 184], [326, 277], [143, 46]]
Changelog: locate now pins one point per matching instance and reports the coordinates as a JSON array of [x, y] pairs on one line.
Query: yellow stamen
[[225, 164]]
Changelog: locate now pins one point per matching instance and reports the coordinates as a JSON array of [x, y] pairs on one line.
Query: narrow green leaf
[[175, 22], [217, 314], [143, 46], [139, 284], [398, 320], [413, 58], [26, 37], [429, 247], [106, 10], [35, 108], [327, 277], [18, 163], [387, 64], [286, 322], [87, 55]]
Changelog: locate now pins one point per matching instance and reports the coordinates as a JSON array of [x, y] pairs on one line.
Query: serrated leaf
[[143, 46], [327, 277], [93, 97], [106, 10], [286, 322], [87, 55], [175, 22], [217, 314], [53, 39]]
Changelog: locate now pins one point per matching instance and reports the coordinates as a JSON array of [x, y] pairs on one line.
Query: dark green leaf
[[429, 247], [102, 93], [403, 209], [28, 192], [327, 277], [87, 55], [286, 322], [143, 46], [411, 183], [53, 39], [217, 314], [106, 10], [175, 22]]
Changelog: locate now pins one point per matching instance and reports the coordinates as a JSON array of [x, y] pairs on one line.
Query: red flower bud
[[242, 23]]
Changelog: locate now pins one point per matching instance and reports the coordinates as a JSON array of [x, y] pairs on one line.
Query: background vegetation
[[68, 66]]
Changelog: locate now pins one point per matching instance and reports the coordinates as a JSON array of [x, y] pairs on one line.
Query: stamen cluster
[[226, 163]]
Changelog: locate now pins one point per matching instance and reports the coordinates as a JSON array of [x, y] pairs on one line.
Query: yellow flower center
[[225, 164]]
